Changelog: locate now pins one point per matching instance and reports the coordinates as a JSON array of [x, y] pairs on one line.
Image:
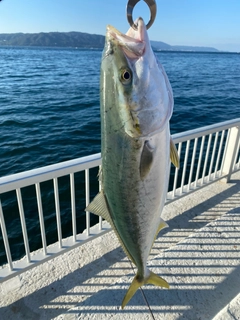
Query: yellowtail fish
[[136, 105]]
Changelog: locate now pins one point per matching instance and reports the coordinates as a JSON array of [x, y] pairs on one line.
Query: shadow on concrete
[[161, 301], [204, 283]]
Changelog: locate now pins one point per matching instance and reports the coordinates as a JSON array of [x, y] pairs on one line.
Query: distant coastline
[[76, 39]]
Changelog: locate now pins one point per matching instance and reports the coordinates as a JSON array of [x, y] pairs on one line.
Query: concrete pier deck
[[199, 256]]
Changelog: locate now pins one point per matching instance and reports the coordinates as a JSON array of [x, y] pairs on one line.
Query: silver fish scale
[[135, 149]]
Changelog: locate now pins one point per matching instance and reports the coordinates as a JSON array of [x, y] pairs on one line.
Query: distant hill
[[158, 45], [53, 39], [77, 39]]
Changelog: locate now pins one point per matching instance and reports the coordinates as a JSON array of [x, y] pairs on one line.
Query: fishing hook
[[153, 10]]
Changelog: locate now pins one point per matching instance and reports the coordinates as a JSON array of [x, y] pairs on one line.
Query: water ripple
[[49, 107]]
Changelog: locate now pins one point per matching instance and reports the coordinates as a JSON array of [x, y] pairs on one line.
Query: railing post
[[231, 150], [5, 238]]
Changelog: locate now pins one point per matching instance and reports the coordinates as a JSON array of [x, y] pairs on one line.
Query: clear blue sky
[[179, 22]]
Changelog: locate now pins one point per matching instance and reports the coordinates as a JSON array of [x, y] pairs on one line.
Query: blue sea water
[[49, 112]]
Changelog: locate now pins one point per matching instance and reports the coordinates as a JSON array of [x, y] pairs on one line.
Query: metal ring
[[153, 10]]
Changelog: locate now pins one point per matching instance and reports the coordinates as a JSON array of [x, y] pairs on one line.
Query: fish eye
[[126, 76]]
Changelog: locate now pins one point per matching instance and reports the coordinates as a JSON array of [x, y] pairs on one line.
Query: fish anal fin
[[146, 159], [99, 207], [137, 282], [161, 226], [174, 154]]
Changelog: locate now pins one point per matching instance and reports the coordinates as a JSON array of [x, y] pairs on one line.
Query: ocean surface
[[49, 112]]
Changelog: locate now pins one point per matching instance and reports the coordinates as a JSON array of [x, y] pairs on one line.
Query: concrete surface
[[199, 255], [231, 311]]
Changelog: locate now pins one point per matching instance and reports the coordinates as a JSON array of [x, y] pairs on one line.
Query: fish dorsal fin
[[99, 206], [146, 159], [174, 154]]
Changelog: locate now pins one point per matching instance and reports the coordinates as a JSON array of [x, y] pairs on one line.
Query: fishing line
[[143, 294]]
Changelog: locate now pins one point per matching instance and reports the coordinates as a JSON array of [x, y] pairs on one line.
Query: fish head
[[140, 84]]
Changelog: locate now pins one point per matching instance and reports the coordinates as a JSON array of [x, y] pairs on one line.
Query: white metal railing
[[206, 154]]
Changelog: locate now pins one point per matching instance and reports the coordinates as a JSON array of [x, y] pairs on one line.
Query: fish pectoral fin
[[99, 207], [138, 282], [174, 154], [146, 159]]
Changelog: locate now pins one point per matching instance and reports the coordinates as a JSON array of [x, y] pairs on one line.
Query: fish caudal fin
[[157, 281], [138, 282], [131, 290]]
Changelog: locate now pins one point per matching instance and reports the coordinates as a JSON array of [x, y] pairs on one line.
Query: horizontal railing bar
[[196, 133], [23, 179], [53, 172], [30, 177]]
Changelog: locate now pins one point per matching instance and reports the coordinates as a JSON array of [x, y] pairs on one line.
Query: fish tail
[[138, 281]]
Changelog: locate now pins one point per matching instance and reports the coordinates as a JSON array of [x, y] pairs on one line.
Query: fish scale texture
[[198, 255]]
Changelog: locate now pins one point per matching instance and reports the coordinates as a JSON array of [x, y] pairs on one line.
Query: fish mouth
[[133, 42]]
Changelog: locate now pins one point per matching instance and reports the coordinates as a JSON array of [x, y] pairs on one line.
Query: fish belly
[[136, 202]]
